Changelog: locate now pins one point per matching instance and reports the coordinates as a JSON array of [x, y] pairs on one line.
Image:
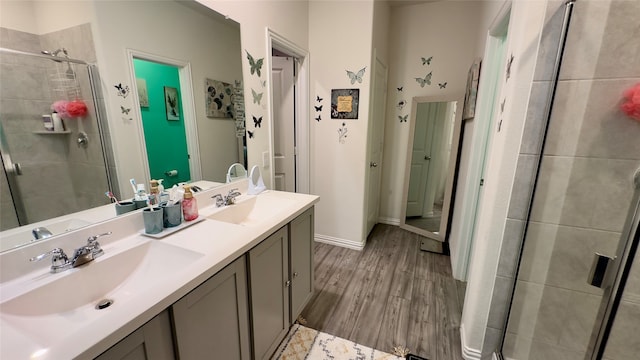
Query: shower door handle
[[599, 269]]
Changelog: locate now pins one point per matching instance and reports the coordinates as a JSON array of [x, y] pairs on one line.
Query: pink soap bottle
[[189, 205]]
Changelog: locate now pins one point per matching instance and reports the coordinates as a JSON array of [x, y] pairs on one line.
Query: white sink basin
[[252, 210], [114, 277]]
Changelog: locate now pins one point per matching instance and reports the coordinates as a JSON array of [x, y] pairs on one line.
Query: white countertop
[[75, 334]]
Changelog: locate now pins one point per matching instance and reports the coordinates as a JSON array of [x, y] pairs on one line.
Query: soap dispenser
[[189, 205]]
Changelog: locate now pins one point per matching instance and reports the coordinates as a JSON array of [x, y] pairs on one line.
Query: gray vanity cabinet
[[269, 284], [212, 320], [153, 340], [301, 254]]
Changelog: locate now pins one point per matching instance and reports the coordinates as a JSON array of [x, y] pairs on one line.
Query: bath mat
[[303, 343]]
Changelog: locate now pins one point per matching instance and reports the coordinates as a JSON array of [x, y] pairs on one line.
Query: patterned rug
[[303, 343]]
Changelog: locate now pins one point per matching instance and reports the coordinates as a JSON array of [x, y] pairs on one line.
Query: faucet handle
[[59, 260], [219, 199], [92, 242]]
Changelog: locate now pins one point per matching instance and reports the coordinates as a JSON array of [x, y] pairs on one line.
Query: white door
[[283, 123], [420, 159], [375, 142]]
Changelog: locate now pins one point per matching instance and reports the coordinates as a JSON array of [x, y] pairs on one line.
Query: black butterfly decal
[[400, 88], [124, 110], [509, 63], [318, 98], [122, 90], [425, 81], [403, 118], [257, 122], [318, 108], [427, 61], [401, 104], [319, 118], [502, 105], [442, 85], [250, 134], [356, 76], [255, 65]]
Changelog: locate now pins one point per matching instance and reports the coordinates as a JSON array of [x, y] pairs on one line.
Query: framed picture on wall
[[471, 93], [344, 103], [143, 95], [171, 103], [218, 99]]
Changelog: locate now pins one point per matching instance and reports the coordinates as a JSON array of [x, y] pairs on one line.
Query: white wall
[[170, 30], [288, 19], [524, 31], [340, 41], [445, 30], [42, 17]]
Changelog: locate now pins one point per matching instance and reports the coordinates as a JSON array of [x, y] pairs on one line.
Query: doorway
[[289, 97]]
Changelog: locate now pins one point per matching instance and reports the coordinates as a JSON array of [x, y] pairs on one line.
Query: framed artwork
[[473, 78], [143, 94], [171, 103], [218, 99], [344, 103]]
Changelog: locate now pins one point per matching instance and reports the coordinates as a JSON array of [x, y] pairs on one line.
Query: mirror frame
[[451, 171]]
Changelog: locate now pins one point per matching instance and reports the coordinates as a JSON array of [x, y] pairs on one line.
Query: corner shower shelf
[[45, 132]]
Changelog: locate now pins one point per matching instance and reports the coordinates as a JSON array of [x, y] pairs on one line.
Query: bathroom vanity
[[229, 286]]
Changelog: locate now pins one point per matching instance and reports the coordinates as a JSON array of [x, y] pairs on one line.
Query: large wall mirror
[[432, 149], [58, 179]]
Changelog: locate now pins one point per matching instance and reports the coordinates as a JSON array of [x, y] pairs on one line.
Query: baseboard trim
[[349, 244], [389, 221], [467, 352]]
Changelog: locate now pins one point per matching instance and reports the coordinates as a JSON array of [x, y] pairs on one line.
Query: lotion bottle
[[189, 205]]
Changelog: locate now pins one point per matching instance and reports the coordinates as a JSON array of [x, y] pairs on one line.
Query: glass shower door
[[583, 193]]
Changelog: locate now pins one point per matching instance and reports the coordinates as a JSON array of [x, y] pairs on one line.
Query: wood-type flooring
[[389, 294]]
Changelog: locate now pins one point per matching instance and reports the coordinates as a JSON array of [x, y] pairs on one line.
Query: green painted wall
[[165, 140]]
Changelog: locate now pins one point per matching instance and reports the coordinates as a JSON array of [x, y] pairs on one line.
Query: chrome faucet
[[82, 255], [230, 199], [40, 233]]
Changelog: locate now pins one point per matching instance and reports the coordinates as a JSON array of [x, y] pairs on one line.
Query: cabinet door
[[153, 340], [269, 284], [301, 255], [212, 321]]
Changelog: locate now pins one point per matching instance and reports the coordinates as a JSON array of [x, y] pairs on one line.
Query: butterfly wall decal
[[318, 108], [318, 118], [427, 61], [401, 104], [403, 118], [509, 63], [256, 65], [256, 97], [257, 122], [250, 134], [318, 98], [425, 81], [124, 110], [400, 88], [502, 105], [264, 83], [122, 90], [442, 85], [356, 76]]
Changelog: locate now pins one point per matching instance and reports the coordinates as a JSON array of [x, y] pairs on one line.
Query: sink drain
[[103, 304]]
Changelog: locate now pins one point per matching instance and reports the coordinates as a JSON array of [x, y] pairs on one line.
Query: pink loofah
[[77, 108], [60, 107], [631, 104]]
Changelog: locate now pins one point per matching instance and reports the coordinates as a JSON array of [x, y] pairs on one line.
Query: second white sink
[[252, 210]]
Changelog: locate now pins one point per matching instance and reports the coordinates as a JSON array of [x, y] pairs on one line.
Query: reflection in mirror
[[57, 179], [431, 156], [236, 172]]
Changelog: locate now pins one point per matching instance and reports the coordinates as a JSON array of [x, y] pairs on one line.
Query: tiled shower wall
[[59, 177], [583, 193]]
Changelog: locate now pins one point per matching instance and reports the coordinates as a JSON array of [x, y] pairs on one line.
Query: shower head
[[56, 52]]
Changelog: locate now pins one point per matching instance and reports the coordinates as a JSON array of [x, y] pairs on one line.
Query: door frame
[[301, 113], [188, 109]]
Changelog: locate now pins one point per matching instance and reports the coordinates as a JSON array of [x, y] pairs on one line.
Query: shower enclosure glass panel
[[583, 193], [50, 173]]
